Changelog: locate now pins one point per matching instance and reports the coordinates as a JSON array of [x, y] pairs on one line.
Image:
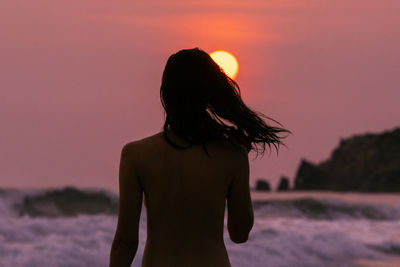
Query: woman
[[190, 169]]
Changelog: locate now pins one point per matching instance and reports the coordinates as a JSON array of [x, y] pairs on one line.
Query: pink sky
[[79, 79]]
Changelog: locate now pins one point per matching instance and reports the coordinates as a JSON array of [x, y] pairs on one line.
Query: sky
[[79, 79]]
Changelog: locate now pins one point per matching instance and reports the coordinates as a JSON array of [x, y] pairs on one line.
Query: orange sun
[[227, 62]]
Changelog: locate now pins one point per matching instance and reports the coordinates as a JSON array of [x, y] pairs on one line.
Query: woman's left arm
[[126, 239]]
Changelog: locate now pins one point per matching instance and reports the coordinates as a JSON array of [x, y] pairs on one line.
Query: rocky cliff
[[365, 163]]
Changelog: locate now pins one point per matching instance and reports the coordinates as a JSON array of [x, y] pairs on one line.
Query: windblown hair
[[199, 99]]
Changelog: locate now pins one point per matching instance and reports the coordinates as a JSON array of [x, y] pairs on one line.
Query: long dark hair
[[199, 99]]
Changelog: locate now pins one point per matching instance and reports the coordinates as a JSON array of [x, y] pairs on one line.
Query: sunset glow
[[227, 62], [90, 84]]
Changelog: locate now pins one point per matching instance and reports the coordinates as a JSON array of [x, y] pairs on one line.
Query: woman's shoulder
[[142, 145]]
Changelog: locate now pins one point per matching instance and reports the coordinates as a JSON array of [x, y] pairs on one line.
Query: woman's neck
[[175, 138]]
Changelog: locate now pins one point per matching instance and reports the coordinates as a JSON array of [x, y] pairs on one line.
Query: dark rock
[[68, 201], [283, 184], [262, 185], [364, 163], [309, 177]]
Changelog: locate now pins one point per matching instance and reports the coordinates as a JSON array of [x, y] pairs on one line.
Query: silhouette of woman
[[189, 170]]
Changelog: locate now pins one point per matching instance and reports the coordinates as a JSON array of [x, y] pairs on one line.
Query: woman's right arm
[[240, 208]]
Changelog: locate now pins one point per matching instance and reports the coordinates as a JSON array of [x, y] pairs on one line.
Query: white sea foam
[[275, 241]]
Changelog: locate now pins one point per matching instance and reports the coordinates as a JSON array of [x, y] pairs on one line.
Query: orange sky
[[81, 78]]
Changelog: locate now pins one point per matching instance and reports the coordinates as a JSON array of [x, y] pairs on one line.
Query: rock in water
[[262, 185], [68, 201], [364, 163], [283, 184]]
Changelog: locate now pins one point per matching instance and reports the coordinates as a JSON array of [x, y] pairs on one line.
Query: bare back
[[185, 193]]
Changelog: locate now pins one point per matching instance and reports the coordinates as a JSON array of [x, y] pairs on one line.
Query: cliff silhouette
[[362, 163]]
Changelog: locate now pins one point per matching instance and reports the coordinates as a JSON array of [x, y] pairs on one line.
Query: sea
[[75, 227]]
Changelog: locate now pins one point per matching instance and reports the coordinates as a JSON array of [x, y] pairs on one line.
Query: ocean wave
[[64, 202], [387, 247], [86, 241], [71, 201], [286, 233], [325, 209]]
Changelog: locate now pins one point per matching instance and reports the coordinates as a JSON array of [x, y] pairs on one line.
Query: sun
[[227, 62]]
